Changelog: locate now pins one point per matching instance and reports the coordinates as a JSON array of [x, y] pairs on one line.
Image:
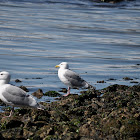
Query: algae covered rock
[[52, 94], [38, 93], [115, 115]]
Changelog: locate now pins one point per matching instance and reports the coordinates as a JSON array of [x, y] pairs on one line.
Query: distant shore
[[111, 113], [111, 1]]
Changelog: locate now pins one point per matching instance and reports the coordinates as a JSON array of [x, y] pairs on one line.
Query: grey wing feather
[[17, 96], [74, 79]]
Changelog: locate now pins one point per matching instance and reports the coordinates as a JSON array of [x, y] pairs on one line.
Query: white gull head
[[63, 65], [4, 77]]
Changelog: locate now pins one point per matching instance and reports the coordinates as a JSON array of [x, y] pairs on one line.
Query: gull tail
[[88, 86], [41, 107], [91, 87]]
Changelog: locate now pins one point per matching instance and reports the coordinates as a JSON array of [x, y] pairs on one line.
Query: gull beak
[[57, 66]]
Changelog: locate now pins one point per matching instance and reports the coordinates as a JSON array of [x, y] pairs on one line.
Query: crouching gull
[[70, 78], [15, 96]]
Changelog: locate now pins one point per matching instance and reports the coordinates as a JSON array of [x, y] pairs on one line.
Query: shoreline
[[114, 115]]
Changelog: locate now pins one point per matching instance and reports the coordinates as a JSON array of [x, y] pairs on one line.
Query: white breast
[[2, 89], [61, 73]]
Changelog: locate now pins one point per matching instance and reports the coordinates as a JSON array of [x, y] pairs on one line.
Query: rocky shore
[[110, 114]]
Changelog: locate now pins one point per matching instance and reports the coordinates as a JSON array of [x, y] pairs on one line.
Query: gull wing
[[74, 79], [17, 97]]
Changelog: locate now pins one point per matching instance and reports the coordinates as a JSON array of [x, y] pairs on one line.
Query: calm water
[[100, 41]]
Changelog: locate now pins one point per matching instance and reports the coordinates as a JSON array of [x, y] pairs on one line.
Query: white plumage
[[15, 96], [70, 78]]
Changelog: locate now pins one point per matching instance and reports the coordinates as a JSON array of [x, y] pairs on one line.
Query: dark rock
[[40, 115], [134, 82], [135, 88], [114, 116], [24, 88], [52, 94], [127, 78], [64, 90], [13, 124], [37, 78], [111, 79], [87, 130], [34, 78], [1, 137], [22, 111], [18, 81], [38, 93], [101, 81], [114, 88]]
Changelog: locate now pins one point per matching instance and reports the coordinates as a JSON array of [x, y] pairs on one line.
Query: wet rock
[[24, 88], [135, 88], [111, 88], [86, 130], [89, 94], [37, 78], [34, 78], [115, 115], [64, 90], [101, 81], [1, 137], [38, 93], [134, 82], [114, 88], [18, 81], [52, 94], [14, 124], [111, 79], [127, 78]]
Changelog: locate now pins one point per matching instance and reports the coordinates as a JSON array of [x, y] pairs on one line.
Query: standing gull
[[15, 96], [70, 78]]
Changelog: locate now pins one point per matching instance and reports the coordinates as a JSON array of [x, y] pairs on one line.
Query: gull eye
[[1, 74]]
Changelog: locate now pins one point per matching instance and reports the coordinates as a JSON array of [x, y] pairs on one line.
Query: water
[[99, 41]]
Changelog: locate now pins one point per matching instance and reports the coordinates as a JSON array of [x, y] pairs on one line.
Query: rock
[[115, 115], [134, 82], [101, 81], [52, 94], [122, 128], [127, 78], [27, 133], [24, 88], [38, 93], [114, 88], [1, 137], [86, 130], [18, 81], [64, 90], [135, 88], [111, 79], [14, 124]]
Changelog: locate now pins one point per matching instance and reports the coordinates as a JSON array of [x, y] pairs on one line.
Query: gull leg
[[68, 92], [11, 113]]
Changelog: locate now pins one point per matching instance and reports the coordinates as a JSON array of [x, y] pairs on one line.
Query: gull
[[15, 96], [70, 78]]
